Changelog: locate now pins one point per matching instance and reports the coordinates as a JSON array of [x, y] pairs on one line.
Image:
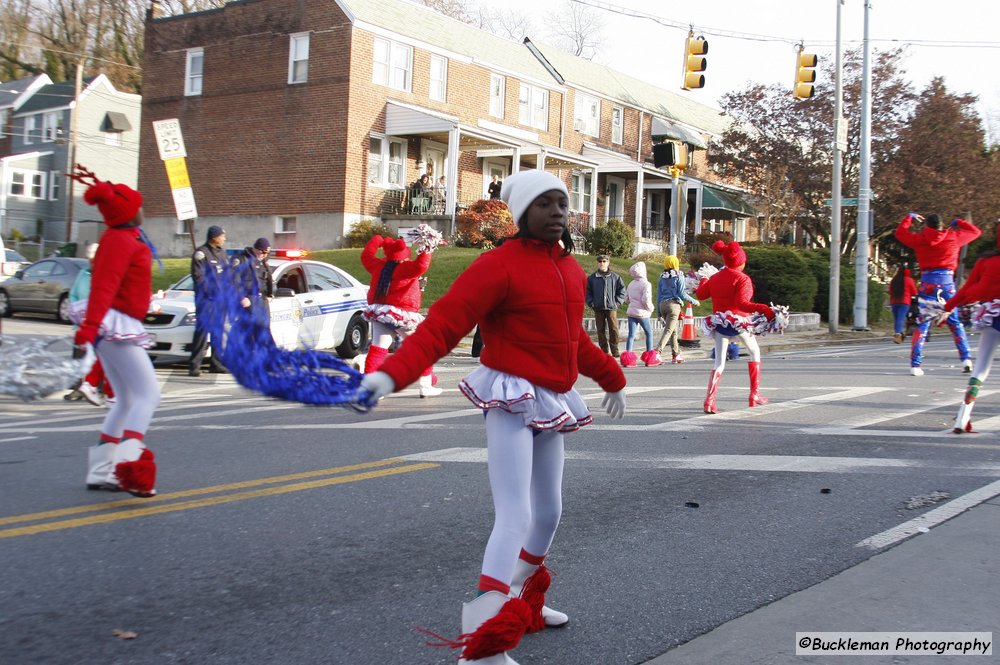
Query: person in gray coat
[[605, 292]]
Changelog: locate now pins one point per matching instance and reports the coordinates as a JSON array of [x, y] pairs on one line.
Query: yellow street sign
[[177, 173]]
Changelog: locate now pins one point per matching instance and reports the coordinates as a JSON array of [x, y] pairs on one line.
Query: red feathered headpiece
[[732, 253], [396, 250], [118, 204]]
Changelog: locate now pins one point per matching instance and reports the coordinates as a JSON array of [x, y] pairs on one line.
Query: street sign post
[[170, 142], [843, 201]]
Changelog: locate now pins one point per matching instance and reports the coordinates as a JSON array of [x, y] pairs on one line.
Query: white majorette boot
[[963, 421], [427, 387], [134, 468], [530, 582], [100, 469], [492, 625]]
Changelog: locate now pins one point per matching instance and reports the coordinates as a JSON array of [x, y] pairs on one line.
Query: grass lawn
[[447, 265]]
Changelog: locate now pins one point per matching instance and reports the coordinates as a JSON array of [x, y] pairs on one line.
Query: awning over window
[[670, 130], [714, 198], [116, 122]]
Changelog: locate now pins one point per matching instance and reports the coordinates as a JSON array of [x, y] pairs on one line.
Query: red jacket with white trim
[[404, 289], [731, 290], [983, 284], [122, 277], [937, 248], [528, 300]]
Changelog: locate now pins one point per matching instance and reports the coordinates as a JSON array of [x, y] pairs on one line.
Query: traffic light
[[670, 154], [805, 74], [695, 49]]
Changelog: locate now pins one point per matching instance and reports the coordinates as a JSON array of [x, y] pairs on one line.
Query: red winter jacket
[[404, 289], [731, 290], [528, 300], [983, 284], [909, 290], [122, 277], [937, 248]]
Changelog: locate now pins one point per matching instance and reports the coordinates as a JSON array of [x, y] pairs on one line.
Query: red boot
[[756, 399], [713, 386], [376, 356]]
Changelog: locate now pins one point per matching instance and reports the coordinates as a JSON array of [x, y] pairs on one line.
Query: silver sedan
[[41, 287]]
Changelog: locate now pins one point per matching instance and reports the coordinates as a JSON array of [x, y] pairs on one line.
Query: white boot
[[475, 614], [522, 571], [134, 468], [427, 387], [100, 469], [963, 421]]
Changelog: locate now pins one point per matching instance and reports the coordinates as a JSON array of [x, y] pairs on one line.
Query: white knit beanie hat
[[520, 189]]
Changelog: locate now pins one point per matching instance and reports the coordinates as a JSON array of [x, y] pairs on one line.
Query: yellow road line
[[111, 505], [212, 501]]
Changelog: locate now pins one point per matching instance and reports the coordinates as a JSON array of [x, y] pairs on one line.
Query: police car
[[316, 306]]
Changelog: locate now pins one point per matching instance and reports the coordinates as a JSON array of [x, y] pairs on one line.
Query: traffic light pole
[[838, 152], [675, 212], [864, 187]]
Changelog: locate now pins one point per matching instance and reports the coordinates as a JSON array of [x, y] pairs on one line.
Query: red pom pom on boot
[[628, 358], [135, 468]]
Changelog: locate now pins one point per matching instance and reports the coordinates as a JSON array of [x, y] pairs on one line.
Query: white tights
[[382, 335], [137, 393], [526, 480], [722, 346], [988, 341]]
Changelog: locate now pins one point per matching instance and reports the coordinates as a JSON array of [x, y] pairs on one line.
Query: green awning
[[714, 198]]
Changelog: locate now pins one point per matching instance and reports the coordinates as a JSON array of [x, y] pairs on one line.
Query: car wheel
[[62, 312], [5, 309], [355, 337]]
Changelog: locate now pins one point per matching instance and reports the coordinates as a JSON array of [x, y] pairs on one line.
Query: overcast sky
[[753, 40]]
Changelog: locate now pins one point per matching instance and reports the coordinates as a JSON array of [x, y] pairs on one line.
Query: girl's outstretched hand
[[376, 386], [613, 403]]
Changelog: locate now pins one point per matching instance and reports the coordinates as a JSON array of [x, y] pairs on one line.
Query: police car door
[[286, 311], [333, 300]]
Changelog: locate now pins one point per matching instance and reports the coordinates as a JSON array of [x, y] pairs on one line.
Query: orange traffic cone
[[689, 338]]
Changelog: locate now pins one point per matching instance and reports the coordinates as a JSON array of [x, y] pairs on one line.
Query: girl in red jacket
[[731, 291], [902, 288], [527, 297], [983, 286], [394, 300], [120, 290]]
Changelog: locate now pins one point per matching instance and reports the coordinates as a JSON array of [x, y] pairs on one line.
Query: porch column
[[593, 199], [515, 162], [697, 211], [451, 192], [639, 184]]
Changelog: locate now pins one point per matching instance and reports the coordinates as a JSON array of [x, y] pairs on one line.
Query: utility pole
[[864, 186], [73, 115], [839, 146]]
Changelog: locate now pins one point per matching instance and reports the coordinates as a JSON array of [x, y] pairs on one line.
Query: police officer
[[255, 276], [210, 256]]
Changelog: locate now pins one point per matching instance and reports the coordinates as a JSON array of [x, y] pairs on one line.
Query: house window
[[587, 115], [50, 126], [27, 184], [386, 157], [54, 185], [298, 58], [581, 189], [617, 128], [392, 64], [194, 74], [29, 129], [113, 139], [498, 83], [439, 77], [533, 107], [284, 225]]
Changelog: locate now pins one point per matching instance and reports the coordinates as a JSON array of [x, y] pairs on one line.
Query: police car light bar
[[290, 253]]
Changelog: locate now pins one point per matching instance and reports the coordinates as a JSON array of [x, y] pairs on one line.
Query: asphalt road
[[291, 534]]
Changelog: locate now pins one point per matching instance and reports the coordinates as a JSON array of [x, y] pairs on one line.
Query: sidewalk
[[944, 580]]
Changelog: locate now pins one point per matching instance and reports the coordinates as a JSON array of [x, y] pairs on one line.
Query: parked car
[[316, 306], [41, 287], [10, 263]]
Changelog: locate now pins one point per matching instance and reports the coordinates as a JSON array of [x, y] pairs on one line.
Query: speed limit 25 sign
[[169, 139]]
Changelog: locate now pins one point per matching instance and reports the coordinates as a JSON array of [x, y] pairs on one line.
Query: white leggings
[[382, 334], [722, 346], [526, 481], [988, 341], [136, 391]]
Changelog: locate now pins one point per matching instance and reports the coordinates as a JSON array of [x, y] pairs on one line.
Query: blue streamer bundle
[[242, 338]]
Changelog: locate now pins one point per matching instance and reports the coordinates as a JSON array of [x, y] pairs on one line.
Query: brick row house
[[302, 118], [46, 127]]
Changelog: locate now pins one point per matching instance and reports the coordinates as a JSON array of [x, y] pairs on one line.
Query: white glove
[[378, 384], [614, 404]]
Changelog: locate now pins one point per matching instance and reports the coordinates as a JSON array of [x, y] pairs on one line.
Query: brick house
[[37, 198], [301, 118]]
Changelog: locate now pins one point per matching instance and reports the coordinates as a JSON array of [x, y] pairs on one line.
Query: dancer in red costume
[[120, 290], [394, 300], [527, 297], [731, 291], [983, 287]]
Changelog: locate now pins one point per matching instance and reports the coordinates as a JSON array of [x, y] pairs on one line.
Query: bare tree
[[504, 23], [19, 53], [577, 29]]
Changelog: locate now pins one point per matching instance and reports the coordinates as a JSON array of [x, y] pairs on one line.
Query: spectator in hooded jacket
[[605, 294], [639, 295]]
